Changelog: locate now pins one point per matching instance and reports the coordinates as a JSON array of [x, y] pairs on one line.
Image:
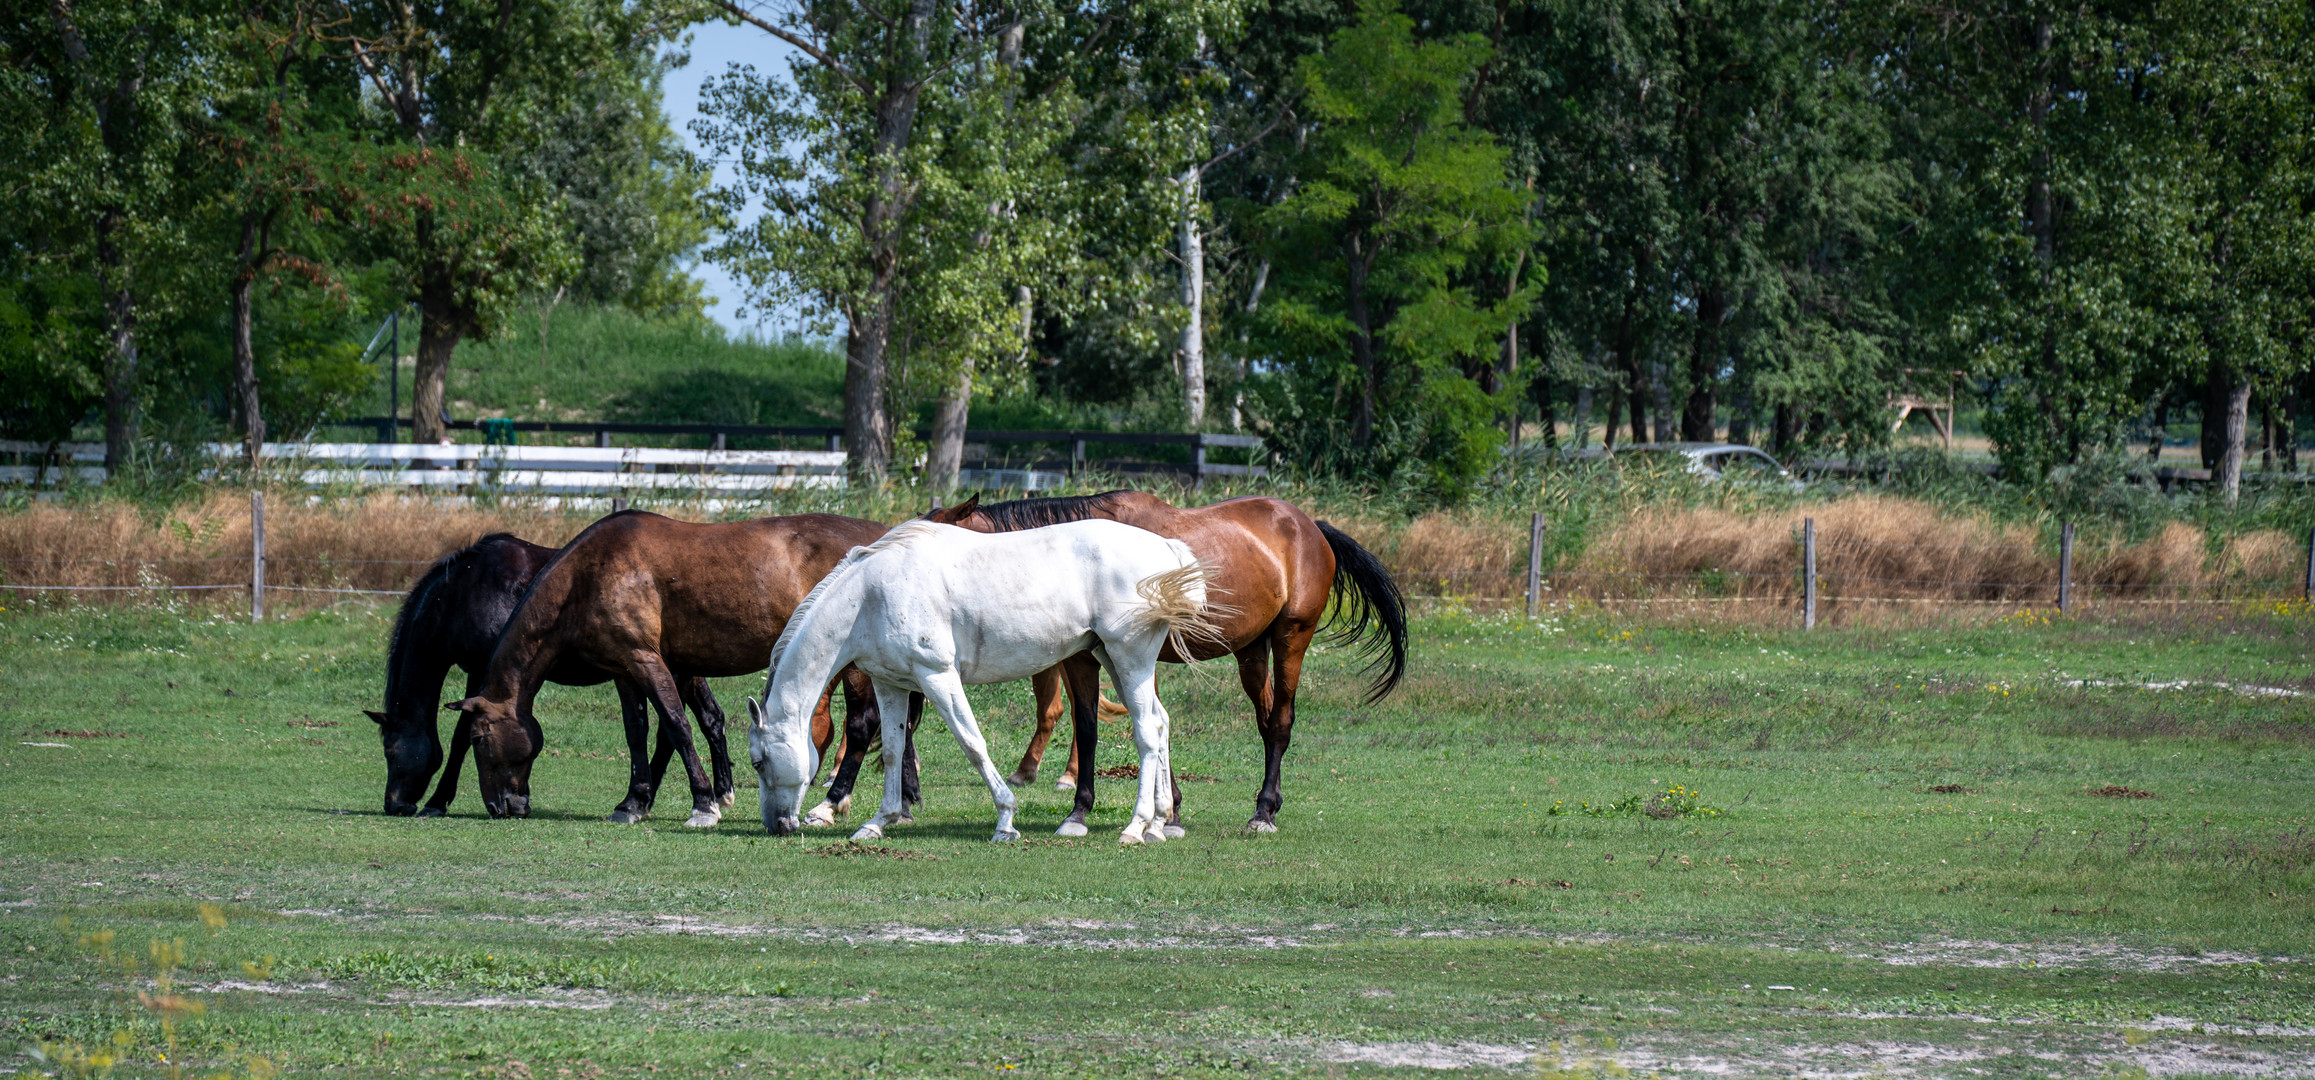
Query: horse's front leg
[[642, 773], [461, 741], [1046, 686], [860, 723], [892, 714], [946, 691], [711, 728]]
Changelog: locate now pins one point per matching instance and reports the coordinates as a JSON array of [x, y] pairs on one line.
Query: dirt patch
[[2117, 791], [84, 734], [313, 723], [1948, 789], [1428, 1055], [854, 849]]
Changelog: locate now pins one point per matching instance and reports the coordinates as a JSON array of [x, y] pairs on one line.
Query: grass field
[[1881, 856]]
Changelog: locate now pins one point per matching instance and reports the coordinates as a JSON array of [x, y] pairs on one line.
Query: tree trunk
[[244, 352], [1193, 347], [867, 427], [438, 334], [1784, 434], [2230, 477], [1660, 390], [1582, 426], [2216, 381], [1362, 343], [1698, 419], [946, 455], [120, 367], [2161, 422], [1238, 362]]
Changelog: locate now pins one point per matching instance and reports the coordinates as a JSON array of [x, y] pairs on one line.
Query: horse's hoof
[[729, 798], [1070, 828], [704, 819], [905, 818], [822, 814], [433, 811], [1020, 779], [1005, 836], [1130, 836], [624, 817], [869, 832], [1065, 784], [1260, 826], [1154, 833], [1175, 832]]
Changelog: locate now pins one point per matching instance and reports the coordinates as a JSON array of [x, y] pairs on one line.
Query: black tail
[[1368, 604]]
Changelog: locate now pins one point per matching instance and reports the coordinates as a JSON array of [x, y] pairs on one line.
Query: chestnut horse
[[1274, 567], [640, 598]]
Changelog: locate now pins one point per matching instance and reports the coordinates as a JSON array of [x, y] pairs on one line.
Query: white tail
[[1176, 599]]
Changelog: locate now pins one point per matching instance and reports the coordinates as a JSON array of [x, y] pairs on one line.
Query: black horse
[[453, 617]]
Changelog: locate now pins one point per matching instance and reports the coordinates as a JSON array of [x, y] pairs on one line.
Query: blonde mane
[[900, 535]]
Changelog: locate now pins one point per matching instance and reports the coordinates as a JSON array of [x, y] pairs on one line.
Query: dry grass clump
[[1442, 554], [1868, 547], [379, 543]]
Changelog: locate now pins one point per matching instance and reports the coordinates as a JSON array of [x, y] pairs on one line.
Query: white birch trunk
[[1193, 347]]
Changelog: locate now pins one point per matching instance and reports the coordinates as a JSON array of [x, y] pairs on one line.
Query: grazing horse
[[641, 598], [1275, 567], [453, 617], [932, 609]]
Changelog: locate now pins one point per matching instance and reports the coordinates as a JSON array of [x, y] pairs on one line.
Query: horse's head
[[413, 753], [955, 515], [785, 761], [505, 744]]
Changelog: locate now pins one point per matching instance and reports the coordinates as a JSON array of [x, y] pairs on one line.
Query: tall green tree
[[461, 85], [1397, 196], [103, 97]]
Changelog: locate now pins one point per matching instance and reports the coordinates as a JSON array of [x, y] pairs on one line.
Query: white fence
[[544, 470]]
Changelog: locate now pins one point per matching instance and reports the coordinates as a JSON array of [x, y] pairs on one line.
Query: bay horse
[[452, 617], [931, 608], [643, 598], [1275, 567]]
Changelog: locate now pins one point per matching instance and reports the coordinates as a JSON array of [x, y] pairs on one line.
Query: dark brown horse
[[453, 617], [653, 602], [1274, 567]]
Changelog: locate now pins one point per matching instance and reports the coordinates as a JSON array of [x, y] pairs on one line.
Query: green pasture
[[1570, 847]]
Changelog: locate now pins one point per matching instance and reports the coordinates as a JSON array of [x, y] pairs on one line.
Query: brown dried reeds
[[120, 551]]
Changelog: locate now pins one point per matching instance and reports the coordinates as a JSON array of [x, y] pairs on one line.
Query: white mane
[[900, 535]]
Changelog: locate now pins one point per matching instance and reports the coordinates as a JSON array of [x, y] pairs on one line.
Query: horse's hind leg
[[643, 773], [1136, 680], [461, 740], [711, 728], [1287, 643], [1082, 674], [1046, 685]]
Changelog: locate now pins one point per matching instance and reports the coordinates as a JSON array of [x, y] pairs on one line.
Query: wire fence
[[225, 549]]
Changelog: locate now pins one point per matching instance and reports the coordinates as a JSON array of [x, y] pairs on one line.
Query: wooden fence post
[[256, 556], [1534, 563], [618, 503], [1808, 573], [2065, 565], [2307, 587]]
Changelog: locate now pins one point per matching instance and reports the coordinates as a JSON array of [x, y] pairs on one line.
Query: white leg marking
[[705, 819], [822, 814], [1070, 828]]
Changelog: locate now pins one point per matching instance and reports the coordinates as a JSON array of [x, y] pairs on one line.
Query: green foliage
[[1398, 197]]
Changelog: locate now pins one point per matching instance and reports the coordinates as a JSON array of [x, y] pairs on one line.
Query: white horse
[[933, 608]]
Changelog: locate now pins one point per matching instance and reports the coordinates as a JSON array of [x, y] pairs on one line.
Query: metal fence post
[[2065, 565], [1534, 563], [256, 556], [1808, 573]]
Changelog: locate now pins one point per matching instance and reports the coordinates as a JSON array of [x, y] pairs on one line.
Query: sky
[[715, 47]]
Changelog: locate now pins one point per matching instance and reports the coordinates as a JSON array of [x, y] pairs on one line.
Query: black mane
[[1038, 513]]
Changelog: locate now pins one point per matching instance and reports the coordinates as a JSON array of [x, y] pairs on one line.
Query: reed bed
[[1873, 549]]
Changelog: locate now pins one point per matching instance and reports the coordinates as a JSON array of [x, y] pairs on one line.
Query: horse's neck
[[525, 649], [816, 648]]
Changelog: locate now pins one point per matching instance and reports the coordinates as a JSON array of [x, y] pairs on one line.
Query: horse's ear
[[462, 704], [755, 713], [376, 717], [965, 509]]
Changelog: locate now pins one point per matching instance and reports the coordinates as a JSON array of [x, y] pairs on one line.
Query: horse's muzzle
[[514, 806], [785, 826], [398, 808]]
